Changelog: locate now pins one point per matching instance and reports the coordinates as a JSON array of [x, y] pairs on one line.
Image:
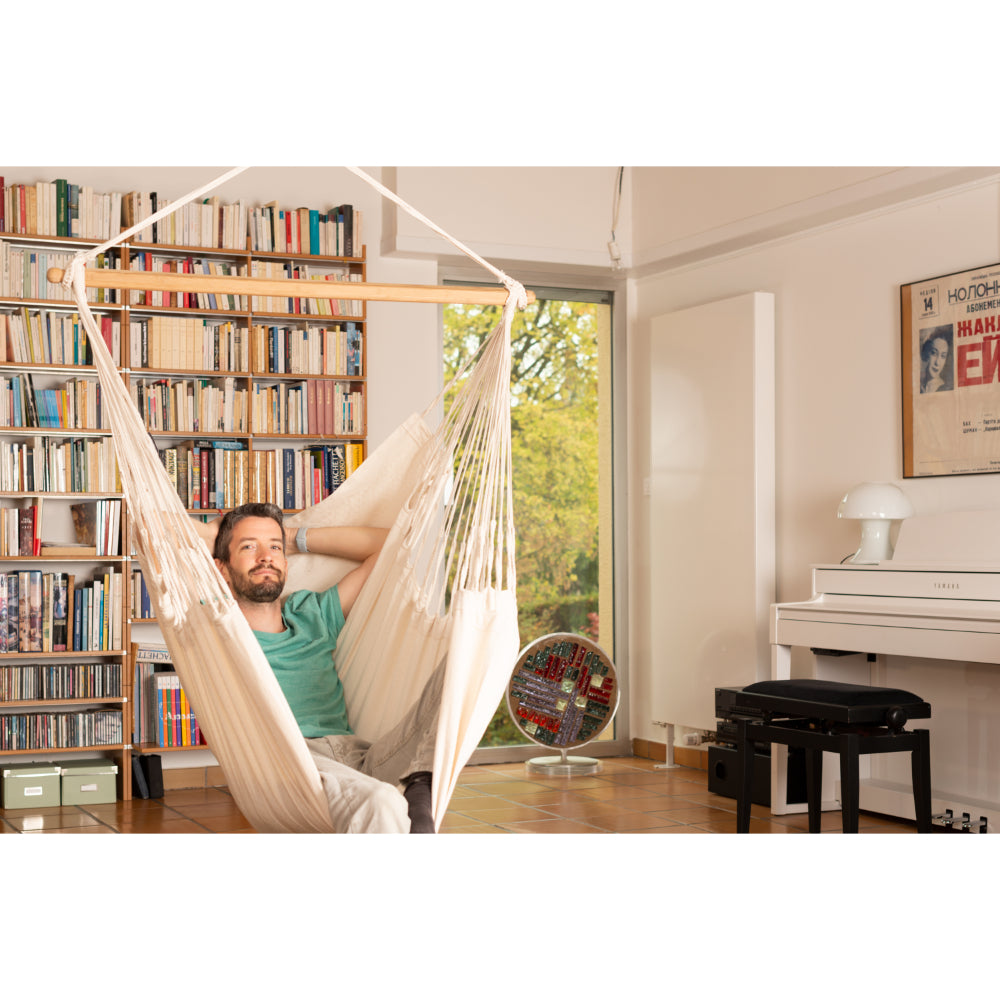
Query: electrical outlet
[[692, 739]]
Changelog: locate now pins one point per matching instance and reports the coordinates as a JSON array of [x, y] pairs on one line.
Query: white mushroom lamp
[[876, 506]]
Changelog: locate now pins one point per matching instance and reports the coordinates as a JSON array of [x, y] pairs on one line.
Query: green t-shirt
[[302, 660]]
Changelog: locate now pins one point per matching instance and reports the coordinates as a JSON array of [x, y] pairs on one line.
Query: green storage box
[[88, 781], [30, 786]]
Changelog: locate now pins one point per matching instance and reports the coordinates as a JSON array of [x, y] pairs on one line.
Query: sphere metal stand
[[564, 766]]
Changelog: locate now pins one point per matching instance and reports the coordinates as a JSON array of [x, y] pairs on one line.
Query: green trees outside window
[[554, 424]]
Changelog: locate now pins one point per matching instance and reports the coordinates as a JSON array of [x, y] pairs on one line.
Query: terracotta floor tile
[[175, 825], [226, 823], [205, 810], [505, 812], [638, 763], [554, 825], [54, 818], [676, 828], [548, 798], [585, 809], [134, 807], [509, 787], [477, 828], [657, 803], [461, 792], [756, 826], [476, 802], [97, 828], [617, 765], [828, 821], [192, 796], [453, 821], [480, 776], [647, 778], [693, 814], [618, 792], [627, 822], [711, 799], [568, 784]]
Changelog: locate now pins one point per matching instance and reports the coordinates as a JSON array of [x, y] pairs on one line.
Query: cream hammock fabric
[[443, 586]]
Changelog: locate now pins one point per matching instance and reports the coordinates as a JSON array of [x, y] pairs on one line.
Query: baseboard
[[193, 777]]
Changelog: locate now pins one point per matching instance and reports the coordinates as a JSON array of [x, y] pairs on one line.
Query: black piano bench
[[847, 719]]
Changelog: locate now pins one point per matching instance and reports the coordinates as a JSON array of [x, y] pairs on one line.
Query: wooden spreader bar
[[301, 288]]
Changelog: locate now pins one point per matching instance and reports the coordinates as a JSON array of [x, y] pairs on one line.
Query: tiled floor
[[630, 795]]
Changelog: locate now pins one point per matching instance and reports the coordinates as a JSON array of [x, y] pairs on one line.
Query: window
[[561, 421]]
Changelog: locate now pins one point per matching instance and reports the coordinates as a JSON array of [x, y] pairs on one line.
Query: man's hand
[[208, 532]]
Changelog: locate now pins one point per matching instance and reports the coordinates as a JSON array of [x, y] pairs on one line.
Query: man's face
[[257, 566]]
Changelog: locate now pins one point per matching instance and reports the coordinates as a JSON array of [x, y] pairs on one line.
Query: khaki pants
[[362, 780]]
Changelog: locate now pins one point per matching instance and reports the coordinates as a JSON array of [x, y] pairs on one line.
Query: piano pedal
[[946, 823]]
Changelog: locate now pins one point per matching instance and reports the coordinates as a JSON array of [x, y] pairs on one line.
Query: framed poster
[[951, 373]]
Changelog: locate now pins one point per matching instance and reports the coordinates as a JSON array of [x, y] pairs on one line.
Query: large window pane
[[561, 453]]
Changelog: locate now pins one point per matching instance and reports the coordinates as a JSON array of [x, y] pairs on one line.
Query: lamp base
[[563, 766], [875, 547]]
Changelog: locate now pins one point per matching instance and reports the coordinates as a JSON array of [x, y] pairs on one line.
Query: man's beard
[[260, 592]]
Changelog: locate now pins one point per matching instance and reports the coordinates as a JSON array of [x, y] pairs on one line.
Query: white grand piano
[[927, 621]]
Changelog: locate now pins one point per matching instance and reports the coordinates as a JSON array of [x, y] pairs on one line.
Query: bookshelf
[[246, 398]]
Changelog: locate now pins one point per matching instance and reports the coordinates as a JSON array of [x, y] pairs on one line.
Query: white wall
[[838, 402], [558, 216]]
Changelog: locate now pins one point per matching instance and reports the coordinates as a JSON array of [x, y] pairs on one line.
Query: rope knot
[[516, 289], [74, 271]]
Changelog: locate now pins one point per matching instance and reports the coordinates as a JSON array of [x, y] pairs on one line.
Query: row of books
[[296, 479], [209, 475], [59, 208], [96, 523], [61, 730], [43, 337], [310, 350], [50, 613], [73, 405], [335, 233], [79, 465], [304, 306], [206, 223], [192, 406], [312, 406], [156, 298], [207, 406], [24, 274], [161, 712], [214, 476], [62, 208], [46, 681], [20, 531], [188, 343]]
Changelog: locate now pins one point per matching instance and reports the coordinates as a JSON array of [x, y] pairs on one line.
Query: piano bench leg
[[814, 787], [920, 763], [850, 782], [744, 770]]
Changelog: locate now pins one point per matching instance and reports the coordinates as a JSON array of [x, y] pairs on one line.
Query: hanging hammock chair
[[443, 587]]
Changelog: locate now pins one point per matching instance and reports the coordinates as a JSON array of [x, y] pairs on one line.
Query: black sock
[[417, 791]]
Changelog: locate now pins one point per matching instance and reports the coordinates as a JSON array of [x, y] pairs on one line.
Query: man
[[298, 638]]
